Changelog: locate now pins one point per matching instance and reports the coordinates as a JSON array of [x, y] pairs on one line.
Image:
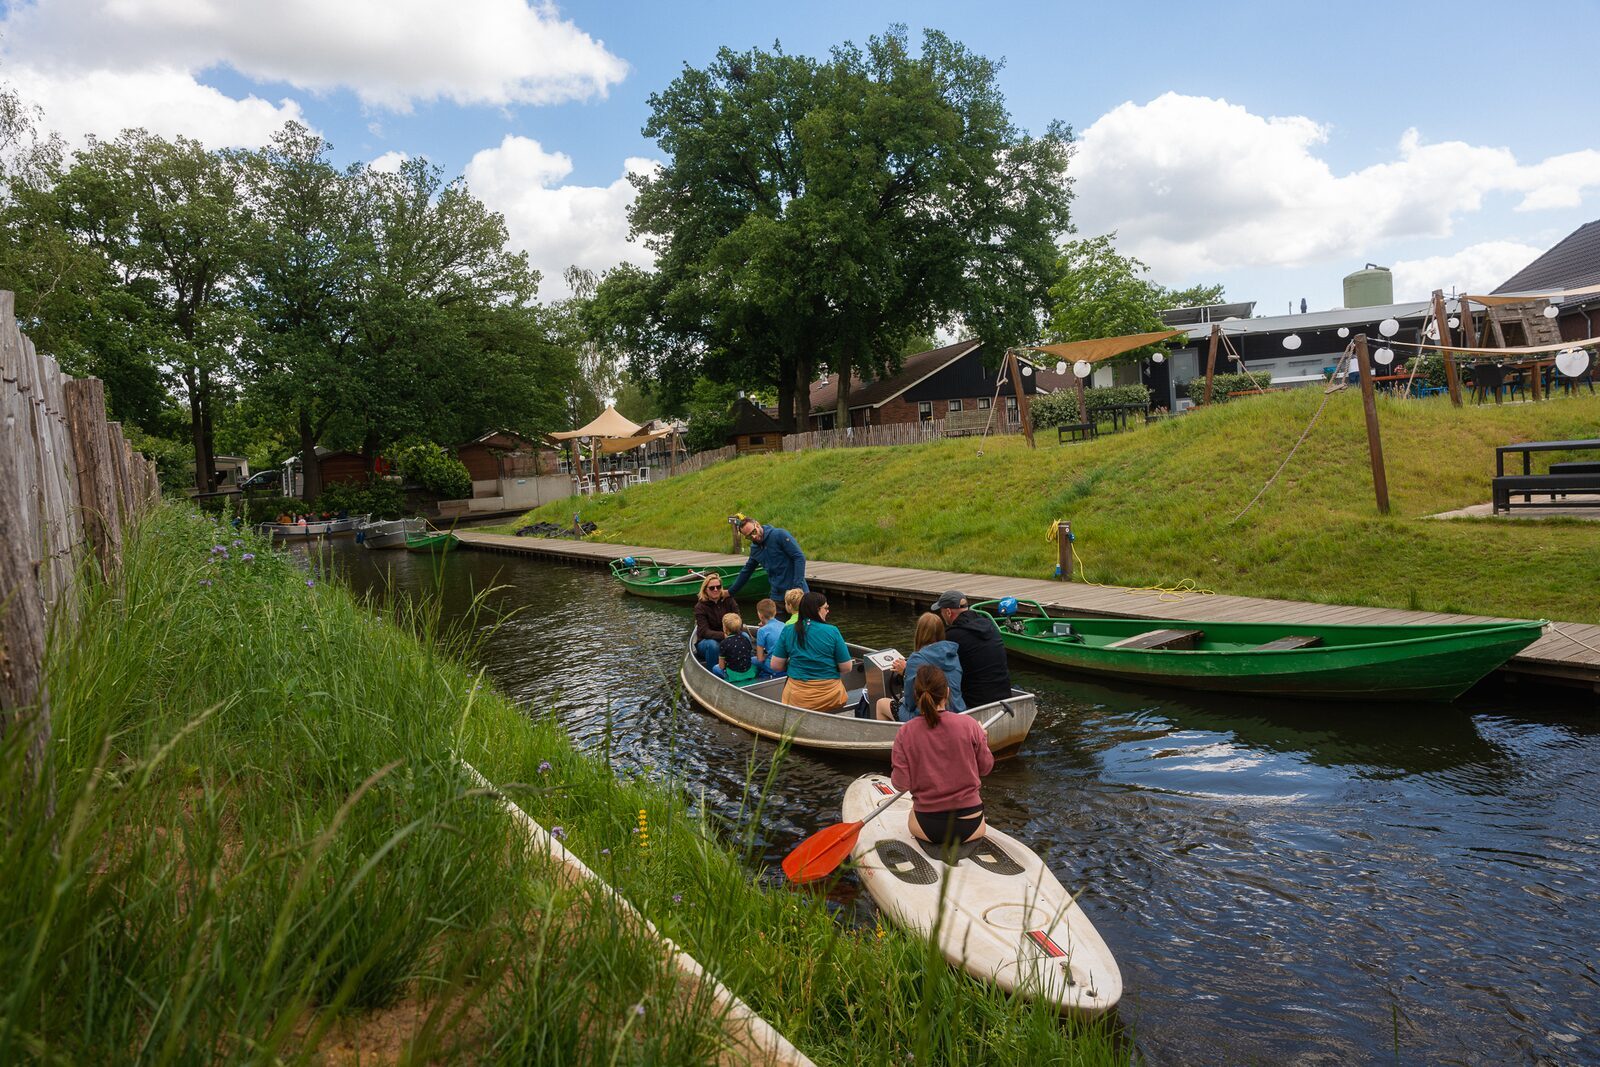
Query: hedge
[[1060, 408]]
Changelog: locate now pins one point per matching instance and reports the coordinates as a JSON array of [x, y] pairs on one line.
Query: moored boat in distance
[[307, 531], [759, 708], [390, 533], [1000, 914], [643, 576], [435, 542], [1312, 661]]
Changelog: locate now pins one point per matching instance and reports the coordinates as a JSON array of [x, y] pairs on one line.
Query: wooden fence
[[701, 460], [70, 487], [894, 433]]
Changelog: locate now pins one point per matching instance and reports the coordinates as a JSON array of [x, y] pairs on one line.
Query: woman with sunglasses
[[714, 602]]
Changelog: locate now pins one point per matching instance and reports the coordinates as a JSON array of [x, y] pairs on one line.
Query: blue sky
[[1271, 149]]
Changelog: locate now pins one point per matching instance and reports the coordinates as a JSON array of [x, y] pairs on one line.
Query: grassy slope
[[1153, 506], [259, 833]]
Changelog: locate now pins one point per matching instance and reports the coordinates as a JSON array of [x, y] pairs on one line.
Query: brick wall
[[899, 410]]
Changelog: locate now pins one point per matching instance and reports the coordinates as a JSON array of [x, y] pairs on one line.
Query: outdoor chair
[[643, 475], [1487, 376]]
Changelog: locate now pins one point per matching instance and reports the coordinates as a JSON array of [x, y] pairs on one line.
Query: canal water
[[1280, 882]]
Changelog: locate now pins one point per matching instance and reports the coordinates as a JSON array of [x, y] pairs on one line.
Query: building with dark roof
[[1572, 263], [930, 385], [754, 430]]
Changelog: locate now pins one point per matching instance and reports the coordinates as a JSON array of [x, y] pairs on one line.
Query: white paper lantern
[[1026, 370], [1061, 366], [1158, 357], [1082, 368], [1551, 311], [1388, 327], [1344, 331], [1572, 362], [1292, 342], [1455, 323], [1384, 356]]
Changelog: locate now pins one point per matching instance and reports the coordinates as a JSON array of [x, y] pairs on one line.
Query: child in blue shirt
[[767, 639]]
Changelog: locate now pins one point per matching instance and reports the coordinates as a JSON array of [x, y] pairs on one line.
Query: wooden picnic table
[[1528, 448], [1393, 381]]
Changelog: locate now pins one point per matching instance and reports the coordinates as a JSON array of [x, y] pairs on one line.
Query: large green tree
[[1099, 292], [819, 213]]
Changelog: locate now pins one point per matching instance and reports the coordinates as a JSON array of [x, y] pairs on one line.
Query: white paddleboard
[[1006, 918]]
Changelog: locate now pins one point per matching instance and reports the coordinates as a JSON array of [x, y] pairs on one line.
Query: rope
[[999, 382], [1165, 593], [1304, 434], [1574, 639]]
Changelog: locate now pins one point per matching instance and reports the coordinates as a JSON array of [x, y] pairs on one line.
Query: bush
[[263, 507], [174, 460], [1060, 408], [380, 499], [435, 470], [1224, 384]]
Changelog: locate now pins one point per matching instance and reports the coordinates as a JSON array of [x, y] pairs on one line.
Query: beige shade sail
[[609, 423], [1522, 298], [612, 445], [1098, 348], [1521, 350]]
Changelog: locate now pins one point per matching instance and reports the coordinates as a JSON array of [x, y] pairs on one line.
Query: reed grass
[[256, 845], [1157, 505]]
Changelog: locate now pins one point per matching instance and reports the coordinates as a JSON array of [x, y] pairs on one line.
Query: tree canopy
[[1099, 292], [819, 213]]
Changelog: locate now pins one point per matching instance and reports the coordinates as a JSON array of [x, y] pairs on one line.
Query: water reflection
[[1280, 881]]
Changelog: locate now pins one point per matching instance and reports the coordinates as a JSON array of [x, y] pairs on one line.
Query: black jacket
[[985, 677]]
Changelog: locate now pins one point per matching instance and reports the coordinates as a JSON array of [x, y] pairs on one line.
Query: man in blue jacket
[[774, 549]]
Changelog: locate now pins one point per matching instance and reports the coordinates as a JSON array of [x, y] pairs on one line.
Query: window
[[924, 411], [983, 403], [955, 405], [757, 439], [825, 422], [1011, 403]]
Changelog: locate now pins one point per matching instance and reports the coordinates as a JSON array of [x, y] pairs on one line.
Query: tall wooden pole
[[1211, 359], [1380, 483], [1469, 337], [1452, 376], [1014, 368]]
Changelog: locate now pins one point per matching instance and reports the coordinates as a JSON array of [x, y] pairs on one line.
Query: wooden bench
[[1161, 640], [1575, 467], [1290, 641], [1076, 431], [1551, 486]]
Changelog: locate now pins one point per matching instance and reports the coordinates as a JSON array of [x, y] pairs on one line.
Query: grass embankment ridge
[[262, 849], [1154, 506]]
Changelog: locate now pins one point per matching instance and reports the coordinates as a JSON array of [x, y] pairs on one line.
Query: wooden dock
[[1568, 653]]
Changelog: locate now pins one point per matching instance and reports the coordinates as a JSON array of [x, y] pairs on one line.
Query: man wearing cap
[[774, 549], [985, 677]]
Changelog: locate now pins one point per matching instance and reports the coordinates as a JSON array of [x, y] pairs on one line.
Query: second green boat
[[430, 542], [643, 576], [1328, 662]]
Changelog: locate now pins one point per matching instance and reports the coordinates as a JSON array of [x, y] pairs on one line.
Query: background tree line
[[274, 302]]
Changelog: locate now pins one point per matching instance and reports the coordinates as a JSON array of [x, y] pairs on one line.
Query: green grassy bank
[[1154, 506], [260, 849]]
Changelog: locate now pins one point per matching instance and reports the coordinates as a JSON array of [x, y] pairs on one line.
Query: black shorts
[[950, 827]]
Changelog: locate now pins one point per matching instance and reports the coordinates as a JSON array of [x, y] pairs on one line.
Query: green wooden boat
[[643, 576], [1313, 662], [435, 542]]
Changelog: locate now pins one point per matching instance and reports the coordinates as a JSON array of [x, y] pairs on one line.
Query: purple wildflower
[[237, 542], [205, 581], [677, 898], [310, 582], [638, 1009], [544, 766], [605, 852], [219, 550], [558, 833], [248, 556]]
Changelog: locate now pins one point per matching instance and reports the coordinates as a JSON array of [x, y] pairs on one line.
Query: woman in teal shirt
[[815, 656]]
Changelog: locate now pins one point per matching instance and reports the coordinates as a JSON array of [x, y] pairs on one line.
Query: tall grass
[[1157, 505], [261, 848]]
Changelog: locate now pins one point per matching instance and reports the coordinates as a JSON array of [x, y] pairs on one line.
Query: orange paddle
[[820, 854]]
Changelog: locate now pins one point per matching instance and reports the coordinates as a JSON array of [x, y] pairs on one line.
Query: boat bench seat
[[1290, 641], [1152, 640]]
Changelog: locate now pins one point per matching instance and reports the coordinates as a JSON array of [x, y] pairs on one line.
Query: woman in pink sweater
[[939, 757]]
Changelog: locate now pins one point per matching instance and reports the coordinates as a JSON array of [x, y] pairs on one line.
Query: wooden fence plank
[[91, 443]]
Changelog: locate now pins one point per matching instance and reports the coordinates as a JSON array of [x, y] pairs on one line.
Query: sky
[[1271, 147]]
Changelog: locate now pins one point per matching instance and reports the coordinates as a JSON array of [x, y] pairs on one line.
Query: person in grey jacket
[[774, 549], [931, 647]]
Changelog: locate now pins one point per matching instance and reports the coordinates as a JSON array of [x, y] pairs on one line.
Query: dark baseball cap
[[954, 598]]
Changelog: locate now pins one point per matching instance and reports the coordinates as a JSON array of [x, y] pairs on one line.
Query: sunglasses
[[712, 588]]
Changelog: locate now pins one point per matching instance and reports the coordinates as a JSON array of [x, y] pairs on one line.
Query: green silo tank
[[1368, 287]]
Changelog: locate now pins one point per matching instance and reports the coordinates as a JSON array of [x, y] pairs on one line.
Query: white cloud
[[558, 225], [389, 162], [164, 101], [1477, 268], [97, 66], [1195, 185]]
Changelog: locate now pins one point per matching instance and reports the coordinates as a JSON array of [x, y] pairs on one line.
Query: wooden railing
[[70, 487]]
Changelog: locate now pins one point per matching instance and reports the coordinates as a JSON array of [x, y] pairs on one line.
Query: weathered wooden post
[[1380, 483], [91, 445], [1064, 550], [1015, 370], [1452, 376], [1211, 359]]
